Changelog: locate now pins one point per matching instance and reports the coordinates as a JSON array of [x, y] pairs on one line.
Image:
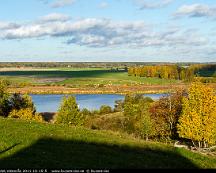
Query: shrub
[[119, 104], [112, 122], [86, 112], [26, 114], [95, 112], [104, 109]]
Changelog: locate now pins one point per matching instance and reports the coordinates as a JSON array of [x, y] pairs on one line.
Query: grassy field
[[84, 77], [35, 145]]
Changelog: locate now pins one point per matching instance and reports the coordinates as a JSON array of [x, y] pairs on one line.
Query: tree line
[[173, 71]]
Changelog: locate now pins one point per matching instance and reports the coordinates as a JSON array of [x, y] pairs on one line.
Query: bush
[[95, 112], [26, 114], [18, 102], [119, 104], [104, 109], [86, 112], [112, 122], [69, 112]]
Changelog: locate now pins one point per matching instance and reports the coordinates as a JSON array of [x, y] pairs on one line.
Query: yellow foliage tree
[[198, 119]]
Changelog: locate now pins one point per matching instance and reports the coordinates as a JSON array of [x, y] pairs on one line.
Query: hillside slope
[[35, 145]]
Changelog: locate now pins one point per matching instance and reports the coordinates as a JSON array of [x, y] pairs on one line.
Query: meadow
[[78, 77], [60, 146]]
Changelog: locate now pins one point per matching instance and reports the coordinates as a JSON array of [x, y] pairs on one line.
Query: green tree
[[136, 112], [5, 106], [69, 112], [198, 119], [145, 123]]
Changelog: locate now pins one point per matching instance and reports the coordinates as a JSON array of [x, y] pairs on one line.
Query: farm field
[[59, 146], [87, 80], [82, 76], [105, 80]]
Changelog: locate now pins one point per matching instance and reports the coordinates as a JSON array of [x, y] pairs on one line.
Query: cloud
[[103, 5], [92, 32], [62, 3], [149, 4], [196, 10], [8, 25], [53, 17]]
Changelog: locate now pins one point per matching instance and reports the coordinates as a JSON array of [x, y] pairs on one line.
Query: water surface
[[51, 103]]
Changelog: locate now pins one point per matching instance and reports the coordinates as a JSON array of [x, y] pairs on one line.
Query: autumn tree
[[23, 107], [165, 113], [130, 71], [198, 119], [160, 71]]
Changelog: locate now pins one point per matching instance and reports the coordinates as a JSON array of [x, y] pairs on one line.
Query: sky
[[108, 31]]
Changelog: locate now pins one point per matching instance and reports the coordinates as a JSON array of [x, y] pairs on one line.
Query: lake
[[51, 103]]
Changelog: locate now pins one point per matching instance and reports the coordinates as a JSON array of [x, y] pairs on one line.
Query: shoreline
[[122, 90], [95, 93]]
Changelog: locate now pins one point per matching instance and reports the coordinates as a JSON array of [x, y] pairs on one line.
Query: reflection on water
[[51, 103]]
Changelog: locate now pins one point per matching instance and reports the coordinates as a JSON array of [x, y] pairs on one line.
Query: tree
[[130, 105], [161, 71], [165, 112], [19, 101], [137, 117], [198, 119], [145, 124], [69, 112], [5, 107], [23, 107]]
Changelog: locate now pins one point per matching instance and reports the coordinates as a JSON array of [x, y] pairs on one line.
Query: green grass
[[18, 80], [83, 77], [26, 144]]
